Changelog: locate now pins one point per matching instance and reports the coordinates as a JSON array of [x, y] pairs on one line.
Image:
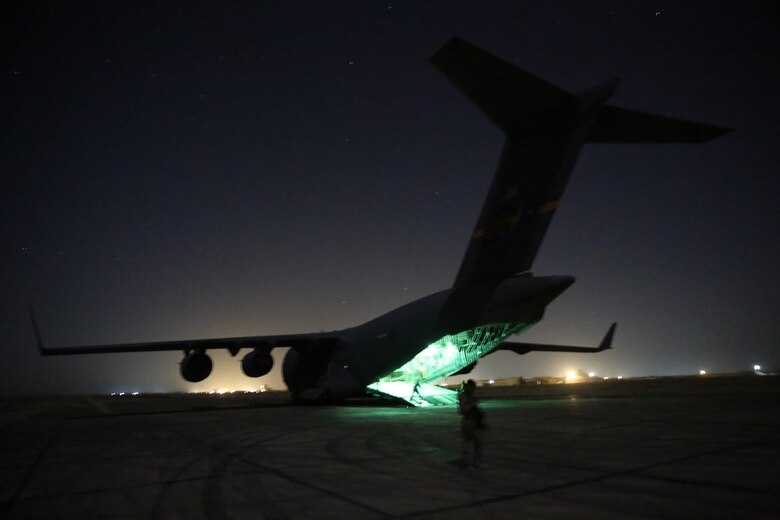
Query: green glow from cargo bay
[[443, 358]]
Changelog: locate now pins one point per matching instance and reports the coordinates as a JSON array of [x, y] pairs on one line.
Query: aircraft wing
[[525, 348], [232, 345]]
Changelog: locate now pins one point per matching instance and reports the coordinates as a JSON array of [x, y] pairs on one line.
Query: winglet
[[606, 343], [38, 338]]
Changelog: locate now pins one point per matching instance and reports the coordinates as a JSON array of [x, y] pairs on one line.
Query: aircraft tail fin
[[546, 128], [513, 99]]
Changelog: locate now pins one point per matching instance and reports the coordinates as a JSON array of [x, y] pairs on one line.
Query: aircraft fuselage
[[396, 337]]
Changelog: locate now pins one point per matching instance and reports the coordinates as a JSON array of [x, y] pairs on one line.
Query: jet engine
[[257, 363], [196, 366]]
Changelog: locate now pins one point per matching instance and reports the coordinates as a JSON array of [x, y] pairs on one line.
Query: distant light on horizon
[[702, 372]]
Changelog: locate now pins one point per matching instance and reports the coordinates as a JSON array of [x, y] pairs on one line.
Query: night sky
[[182, 170]]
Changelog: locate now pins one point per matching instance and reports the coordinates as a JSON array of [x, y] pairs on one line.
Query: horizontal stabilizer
[[512, 98], [620, 125], [525, 348]]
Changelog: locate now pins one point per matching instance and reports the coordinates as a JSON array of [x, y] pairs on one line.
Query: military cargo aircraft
[[494, 295]]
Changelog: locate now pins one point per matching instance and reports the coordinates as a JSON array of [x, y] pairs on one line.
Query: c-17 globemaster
[[495, 295]]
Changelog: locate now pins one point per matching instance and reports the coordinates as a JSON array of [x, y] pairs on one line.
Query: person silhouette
[[471, 425], [416, 392]]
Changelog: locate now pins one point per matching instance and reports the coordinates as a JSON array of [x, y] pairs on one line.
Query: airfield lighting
[[136, 393], [702, 372], [756, 367]]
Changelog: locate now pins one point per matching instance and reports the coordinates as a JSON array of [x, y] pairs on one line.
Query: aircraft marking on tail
[[550, 206]]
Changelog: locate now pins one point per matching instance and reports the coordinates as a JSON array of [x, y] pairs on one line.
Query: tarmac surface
[[705, 447]]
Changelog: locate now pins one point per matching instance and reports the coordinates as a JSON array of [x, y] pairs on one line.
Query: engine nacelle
[[257, 363], [196, 366]]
